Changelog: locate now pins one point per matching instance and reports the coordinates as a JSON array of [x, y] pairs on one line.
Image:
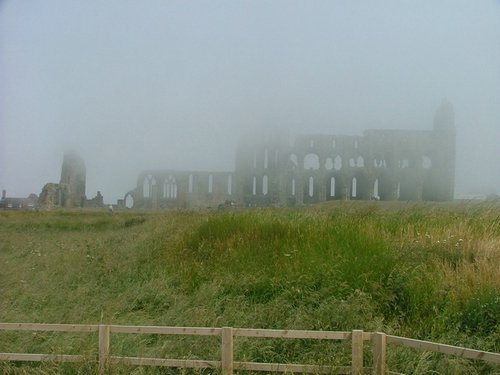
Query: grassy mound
[[422, 271]]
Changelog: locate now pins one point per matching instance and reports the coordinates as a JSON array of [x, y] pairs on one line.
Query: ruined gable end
[[73, 177]]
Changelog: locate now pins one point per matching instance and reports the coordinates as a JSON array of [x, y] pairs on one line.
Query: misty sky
[[133, 85]]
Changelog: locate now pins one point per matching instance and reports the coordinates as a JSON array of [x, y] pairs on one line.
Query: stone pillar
[[322, 188], [299, 190]]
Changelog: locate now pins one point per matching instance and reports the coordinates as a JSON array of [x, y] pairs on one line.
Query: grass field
[[429, 271]]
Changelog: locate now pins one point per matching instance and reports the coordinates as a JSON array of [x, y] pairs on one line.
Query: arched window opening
[[266, 158], [375, 190], [230, 184], [293, 186], [311, 186], [360, 162], [170, 188], [311, 161], [329, 164], [148, 184], [405, 163], [294, 160], [264, 185], [352, 163], [210, 183], [254, 185], [426, 162], [337, 163], [129, 201], [354, 187], [379, 163], [190, 183], [332, 187], [398, 190], [146, 188]]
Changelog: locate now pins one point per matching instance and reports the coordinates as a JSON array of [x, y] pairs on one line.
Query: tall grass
[[423, 271]]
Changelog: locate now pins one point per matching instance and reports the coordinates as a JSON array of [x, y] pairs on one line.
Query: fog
[[134, 85]]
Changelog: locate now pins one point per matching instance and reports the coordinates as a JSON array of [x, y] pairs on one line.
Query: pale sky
[[133, 85]]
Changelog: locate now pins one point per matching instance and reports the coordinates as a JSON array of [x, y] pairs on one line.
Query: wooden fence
[[379, 342]]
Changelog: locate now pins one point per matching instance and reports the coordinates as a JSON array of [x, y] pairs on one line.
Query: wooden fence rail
[[379, 342]]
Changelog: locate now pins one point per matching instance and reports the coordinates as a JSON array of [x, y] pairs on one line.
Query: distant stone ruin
[[271, 170], [72, 184], [13, 203], [50, 197], [70, 191]]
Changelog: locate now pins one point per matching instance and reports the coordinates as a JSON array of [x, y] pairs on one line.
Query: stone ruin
[[380, 165], [70, 191], [50, 197]]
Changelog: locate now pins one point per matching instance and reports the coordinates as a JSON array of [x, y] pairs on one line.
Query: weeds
[[423, 271]]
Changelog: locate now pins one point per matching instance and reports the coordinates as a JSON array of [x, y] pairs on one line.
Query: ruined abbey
[[274, 170], [70, 191]]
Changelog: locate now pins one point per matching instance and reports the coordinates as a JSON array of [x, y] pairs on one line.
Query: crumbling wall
[[275, 170], [73, 177], [181, 189], [70, 191], [96, 202], [380, 164], [50, 197]]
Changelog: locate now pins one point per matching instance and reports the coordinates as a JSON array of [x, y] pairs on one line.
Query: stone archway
[[129, 200]]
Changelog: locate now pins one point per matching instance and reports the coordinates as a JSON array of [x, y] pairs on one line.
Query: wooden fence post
[[379, 350], [227, 351], [357, 352], [103, 347]]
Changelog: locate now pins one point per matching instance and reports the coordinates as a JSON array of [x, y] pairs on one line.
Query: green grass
[[420, 270]]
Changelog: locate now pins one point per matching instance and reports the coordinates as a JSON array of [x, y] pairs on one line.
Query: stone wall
[[168, 189], [273, 170], [73, 177], [70, 191], [380, 164]]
